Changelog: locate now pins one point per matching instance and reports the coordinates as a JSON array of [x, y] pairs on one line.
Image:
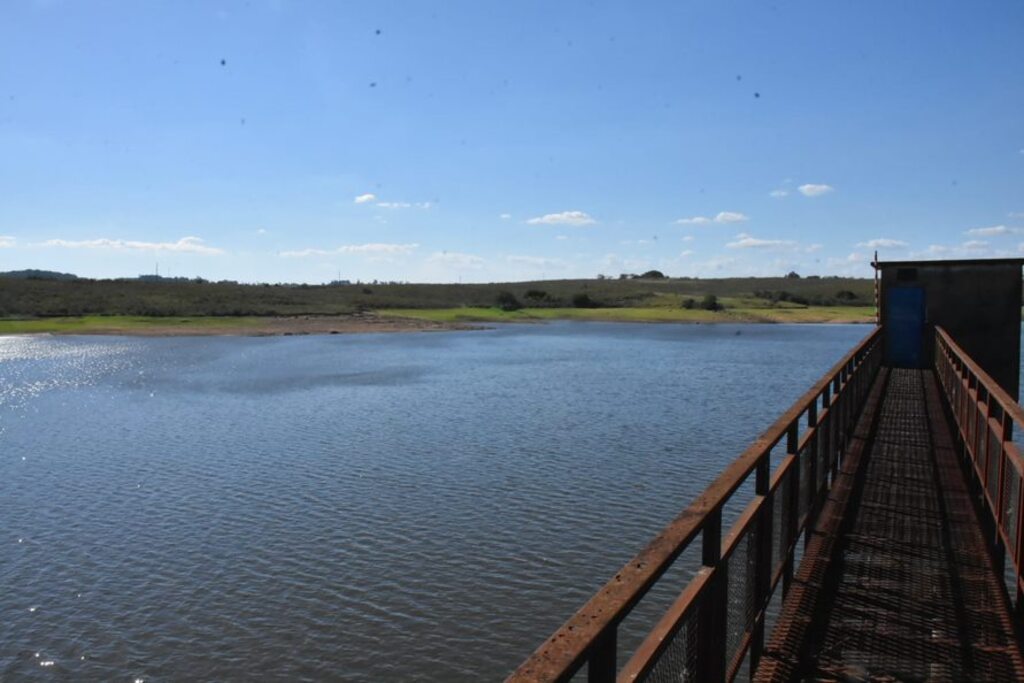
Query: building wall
[[978, 304]]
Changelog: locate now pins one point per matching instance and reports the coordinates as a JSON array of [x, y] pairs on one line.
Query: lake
[[369, 507]]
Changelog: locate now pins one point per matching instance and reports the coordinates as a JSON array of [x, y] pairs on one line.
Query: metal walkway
[[910, 593], [880, 512]]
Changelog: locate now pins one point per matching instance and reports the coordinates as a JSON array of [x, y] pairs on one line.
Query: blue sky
[[481, 141]]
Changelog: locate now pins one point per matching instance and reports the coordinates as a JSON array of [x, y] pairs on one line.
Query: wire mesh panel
[[1011, 502], [824, 448], [991, 446], [781, 522], [806, 485], [741, 607], [678, 661]]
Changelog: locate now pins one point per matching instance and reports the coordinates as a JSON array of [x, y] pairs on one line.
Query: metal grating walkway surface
[[908, 594]]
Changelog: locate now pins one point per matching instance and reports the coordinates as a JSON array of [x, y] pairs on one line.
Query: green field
[[135, 306], [810, 314]]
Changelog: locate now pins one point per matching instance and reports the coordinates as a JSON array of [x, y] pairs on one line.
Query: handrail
[[985, 415], [794, 492]]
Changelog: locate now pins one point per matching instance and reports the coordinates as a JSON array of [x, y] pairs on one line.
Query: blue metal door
[[904, 326]]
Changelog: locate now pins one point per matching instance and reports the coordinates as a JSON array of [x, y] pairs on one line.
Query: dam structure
[[873, 532]]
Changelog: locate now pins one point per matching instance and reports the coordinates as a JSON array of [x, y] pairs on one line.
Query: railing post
[[601, 663], [792, 518], [812, 454], [711, 634], [763, 562]]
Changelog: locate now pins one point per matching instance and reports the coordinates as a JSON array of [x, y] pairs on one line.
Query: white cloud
[[561, 237], [813, 190], [687, 238], [685, 252], [731, 217], [404, 205], [745, 241], [261, 231], [193, 245], [372, 249], [577, 218], [365, 198], [7, 242], [720, 217], [505, 216], [882, 243], [456, 259], [812, 248], [779, 194], [536, 261], [992, 231], [975, 244]]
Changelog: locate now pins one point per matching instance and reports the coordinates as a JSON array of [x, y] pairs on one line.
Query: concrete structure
[[977, 301]]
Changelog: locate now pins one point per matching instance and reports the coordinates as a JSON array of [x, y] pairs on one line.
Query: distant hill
[[33, 274]]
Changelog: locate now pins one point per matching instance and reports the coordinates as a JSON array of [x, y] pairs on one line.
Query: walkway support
[[718, 622]]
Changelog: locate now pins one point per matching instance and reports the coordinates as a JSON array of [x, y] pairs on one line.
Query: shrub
[[507, 301], [689, 303], [582, 300], [535, 295], [710, 303]]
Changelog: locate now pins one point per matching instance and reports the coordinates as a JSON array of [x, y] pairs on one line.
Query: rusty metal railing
[[985, 415], [719, 618]]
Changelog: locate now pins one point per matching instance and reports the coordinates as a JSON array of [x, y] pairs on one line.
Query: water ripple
[[379, 507]]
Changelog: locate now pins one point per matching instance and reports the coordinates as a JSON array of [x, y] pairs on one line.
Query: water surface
[[373, 507]]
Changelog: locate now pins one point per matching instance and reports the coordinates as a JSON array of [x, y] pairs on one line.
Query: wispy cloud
[[505, 216], [192, 245], [779, 194], [7, 242], [882, 243], [404, 205], [577, 218], [812, 248], [377, 248], [365, 198], [720, 217], [993, 231], [731, 217], [457, 259], [685, 252], [974, 244], [745, 241], [536, 261], [815, 190], [1016, 214]]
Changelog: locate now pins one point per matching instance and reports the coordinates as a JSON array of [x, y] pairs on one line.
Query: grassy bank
[[126, 324], [809, 314]]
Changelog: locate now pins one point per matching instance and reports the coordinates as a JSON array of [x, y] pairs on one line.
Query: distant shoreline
[[413, 320]]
